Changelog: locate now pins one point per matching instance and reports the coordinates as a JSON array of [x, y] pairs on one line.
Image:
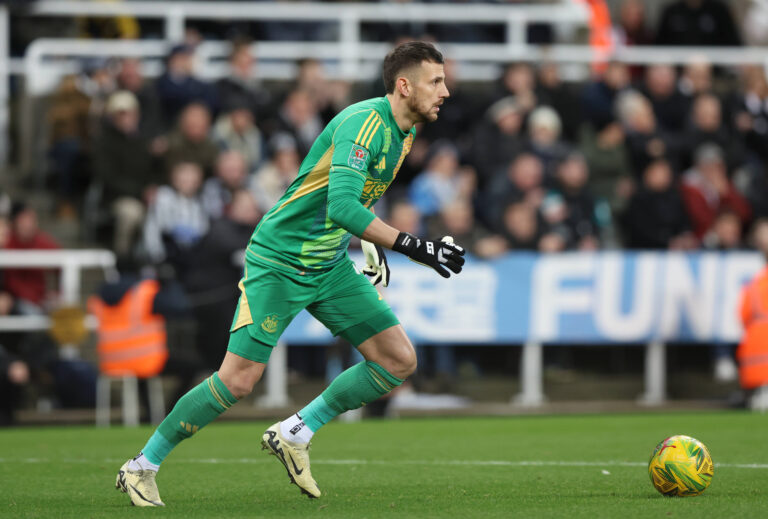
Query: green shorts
[[342, 299]]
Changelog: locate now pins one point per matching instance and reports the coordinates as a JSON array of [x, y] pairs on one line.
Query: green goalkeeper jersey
[[347, 170]]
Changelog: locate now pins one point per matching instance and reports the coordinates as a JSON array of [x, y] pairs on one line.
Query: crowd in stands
[[177, 170]]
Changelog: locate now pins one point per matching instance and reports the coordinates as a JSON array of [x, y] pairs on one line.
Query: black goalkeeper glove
[[439, 255]]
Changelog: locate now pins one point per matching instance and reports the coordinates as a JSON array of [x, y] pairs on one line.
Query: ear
[[403, 85]]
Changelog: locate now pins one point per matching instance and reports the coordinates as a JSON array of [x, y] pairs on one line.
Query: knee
[[402, 363], [239, 384]]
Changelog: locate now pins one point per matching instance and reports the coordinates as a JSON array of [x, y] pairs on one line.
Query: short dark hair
[[404, 56]]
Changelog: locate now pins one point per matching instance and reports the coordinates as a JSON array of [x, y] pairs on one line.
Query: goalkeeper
[[297, 258]]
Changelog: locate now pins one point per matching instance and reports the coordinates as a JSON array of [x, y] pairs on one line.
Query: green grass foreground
[[533, 466]]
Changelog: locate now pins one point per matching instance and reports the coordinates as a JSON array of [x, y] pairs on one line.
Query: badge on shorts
[[357, 156], [269, 324]]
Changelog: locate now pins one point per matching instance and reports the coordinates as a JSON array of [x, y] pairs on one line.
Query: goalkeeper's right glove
[[431, 253]]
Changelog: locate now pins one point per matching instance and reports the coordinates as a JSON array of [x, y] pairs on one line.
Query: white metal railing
[[70, 262]]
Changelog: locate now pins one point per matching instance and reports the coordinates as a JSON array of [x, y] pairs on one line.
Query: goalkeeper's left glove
[[375, 263]]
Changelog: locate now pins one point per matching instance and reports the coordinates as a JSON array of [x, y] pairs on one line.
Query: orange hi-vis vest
[[132, 340], [752, 352]]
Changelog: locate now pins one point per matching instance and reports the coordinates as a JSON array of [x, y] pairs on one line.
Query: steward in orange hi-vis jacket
[[752, 353], [132, 339]]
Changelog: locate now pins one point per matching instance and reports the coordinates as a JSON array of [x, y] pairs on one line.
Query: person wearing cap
[[124, 168], [707, 191]]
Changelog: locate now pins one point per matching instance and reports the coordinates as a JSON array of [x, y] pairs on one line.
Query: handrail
[[71, 262]]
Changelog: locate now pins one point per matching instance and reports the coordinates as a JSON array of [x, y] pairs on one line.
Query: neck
[[403, 116]]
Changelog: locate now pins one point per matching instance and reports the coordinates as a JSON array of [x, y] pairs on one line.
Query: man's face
[[428, 91]]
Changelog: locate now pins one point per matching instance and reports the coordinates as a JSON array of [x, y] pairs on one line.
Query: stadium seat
[[130, 400]]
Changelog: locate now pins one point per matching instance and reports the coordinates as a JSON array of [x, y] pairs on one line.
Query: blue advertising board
[[604, 297]]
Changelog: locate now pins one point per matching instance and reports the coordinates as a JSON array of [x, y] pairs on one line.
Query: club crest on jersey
[[269, 324], [357, 156]]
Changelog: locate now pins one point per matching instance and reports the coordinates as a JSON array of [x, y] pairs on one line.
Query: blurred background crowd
[[175, 171]]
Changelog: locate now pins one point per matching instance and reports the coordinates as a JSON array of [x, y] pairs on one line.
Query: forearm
[[380, 233]]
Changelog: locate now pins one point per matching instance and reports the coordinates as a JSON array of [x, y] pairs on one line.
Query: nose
[[445, 91]]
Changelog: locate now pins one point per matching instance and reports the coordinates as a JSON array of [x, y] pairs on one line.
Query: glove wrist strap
[[405, 243]]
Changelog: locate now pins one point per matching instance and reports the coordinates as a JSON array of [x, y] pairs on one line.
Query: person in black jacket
[[656, 217], [211, 278], [697, 22]]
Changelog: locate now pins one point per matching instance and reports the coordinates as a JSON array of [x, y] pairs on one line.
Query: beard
[[421, 115]]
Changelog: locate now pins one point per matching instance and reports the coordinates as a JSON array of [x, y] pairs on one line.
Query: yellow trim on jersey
[[315, 179], [375, 129], [362, 128]]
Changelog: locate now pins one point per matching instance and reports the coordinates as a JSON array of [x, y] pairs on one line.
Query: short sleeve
[[356, 140]]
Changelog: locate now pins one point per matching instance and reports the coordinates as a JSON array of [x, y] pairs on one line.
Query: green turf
[[464, 467]]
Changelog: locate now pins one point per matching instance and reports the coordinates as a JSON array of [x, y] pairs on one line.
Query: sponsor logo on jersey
[[269, 324], [357, 156]]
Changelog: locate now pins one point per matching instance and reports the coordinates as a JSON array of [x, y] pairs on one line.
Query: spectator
[[439, 184], [644, 139], [726, 232], [28, 286], [523, 229], [697, 22], [124, 168], [707, 191], [131, 78], [456, 219], [518, 80], [298, 116], [551, 91], [497, 139], [751, 111], [755, 22], [632, 28], [311, 79], [656, 217], [69, 129], [242, 82], [176, 219], [405, 216], [570, 210], [211, 279], [177, 87], [706, 126], [6, 299], [272, 180], [544, 138], [608, 160], [696, 78], [191, 142], [523, 181], [236, 130], [231, 176], [599, 96], [669, 105]]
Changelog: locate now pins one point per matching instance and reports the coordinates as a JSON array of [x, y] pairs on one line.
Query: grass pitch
[[533, 466]]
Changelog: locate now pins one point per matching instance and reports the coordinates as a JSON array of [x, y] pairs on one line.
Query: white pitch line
[[474, 463]]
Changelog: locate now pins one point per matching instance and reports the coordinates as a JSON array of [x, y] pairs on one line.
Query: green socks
[[359, 385], [199, 407]]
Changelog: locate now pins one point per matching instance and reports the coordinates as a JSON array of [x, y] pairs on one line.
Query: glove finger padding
[[376, 263], [433, 253]]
